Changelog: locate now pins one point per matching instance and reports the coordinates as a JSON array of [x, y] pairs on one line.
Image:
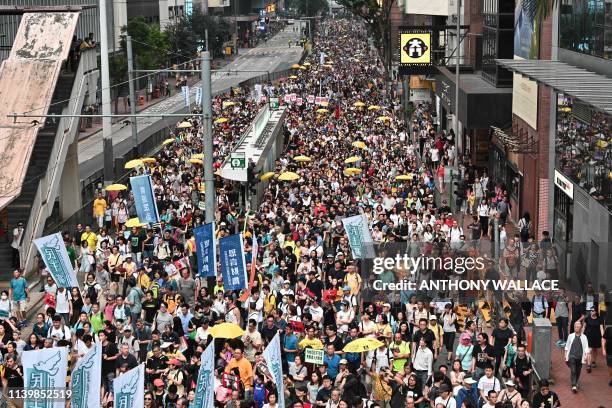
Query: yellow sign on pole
[[415, 48]]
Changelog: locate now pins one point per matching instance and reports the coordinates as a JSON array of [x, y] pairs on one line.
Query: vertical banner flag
[[233, 264], [205, 388], [254, 249], [128, 388], [322, 58], [54, 254], [360, 239], [45, 370], [185, 91], [198, 96], [86, 379], [206, 249], [272, 355], [146, 207]]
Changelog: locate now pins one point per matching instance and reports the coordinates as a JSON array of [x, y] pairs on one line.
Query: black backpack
[[92, 293]]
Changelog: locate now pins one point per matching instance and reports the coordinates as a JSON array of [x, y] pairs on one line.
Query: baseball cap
[[510, 383], [343, 361], [469, 380], [174, 361]]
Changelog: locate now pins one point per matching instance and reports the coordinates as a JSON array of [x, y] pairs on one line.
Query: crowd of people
[[143, 300]]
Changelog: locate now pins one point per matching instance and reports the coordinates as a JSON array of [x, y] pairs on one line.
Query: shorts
[[21, 305]]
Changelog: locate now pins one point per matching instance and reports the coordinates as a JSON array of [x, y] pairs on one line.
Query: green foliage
[[308, 8], [150, 45], [188, 33]]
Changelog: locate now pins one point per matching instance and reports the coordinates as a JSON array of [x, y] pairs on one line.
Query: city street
[[271, 56]]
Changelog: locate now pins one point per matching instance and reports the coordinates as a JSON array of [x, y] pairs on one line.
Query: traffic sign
[[238, 162]]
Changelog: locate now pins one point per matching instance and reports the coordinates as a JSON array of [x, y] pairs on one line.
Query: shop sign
[[564, 184], [415, 51]]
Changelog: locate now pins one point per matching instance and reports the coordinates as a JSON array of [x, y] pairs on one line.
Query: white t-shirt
[[435, 154], [449, 403], [62, 302], [486, 384], [343, 315]]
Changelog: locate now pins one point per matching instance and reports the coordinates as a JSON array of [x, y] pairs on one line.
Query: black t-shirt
[[324, 394], [428, 335], [108, 366], [608, 337], [551, 400], [14, 377], [156, 363], [501, 338], [268, 333], [520, 365], [316, 287], [337, 342], [130, 360], [150, 308], [481, 355]]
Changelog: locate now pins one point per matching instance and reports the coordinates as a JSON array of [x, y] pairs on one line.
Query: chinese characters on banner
[[146, 207], [206, 249], [233, 264]]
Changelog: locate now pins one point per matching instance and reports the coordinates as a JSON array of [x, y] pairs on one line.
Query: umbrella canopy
[[359, 144], [328, 66], [133, 222], [221, 120], [289, 176], [226, 331], [307, 64], [352, 170], [322, 110], [352, 159], [148, 160], [195, 161], [168, 141], [198, 156], [383, 118], [295, 66], [302, 158], [359, 104], [363, 344], [266, 176], [184, 125], [373, 107], [293, 77], [228, 104], [404, 177], [133, 163], [116, 187], [303, 67]]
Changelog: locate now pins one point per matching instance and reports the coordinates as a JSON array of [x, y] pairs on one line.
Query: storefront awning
[[589, 87]]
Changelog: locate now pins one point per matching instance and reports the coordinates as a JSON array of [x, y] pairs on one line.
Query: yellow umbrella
[[307, 64], [221, 120], [352, 159], [325, 103], [330, 62], [328, 66], [359, 144], [133, 163], [266, 176], [198, 156], [373, 107], [195, 161], [184, 125], [383, 118], [133, 222], [302, 158], [352, 170], [303, 67], [359, 104], [148, 160], [226, 331], [295, 66], [116, 187], [228, 103], [293, 77], [168, 141], [289, 176], [322, 110], [404, 177], [362, 344]]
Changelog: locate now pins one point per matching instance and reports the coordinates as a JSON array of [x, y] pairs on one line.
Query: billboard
[[526, 46], [428, 7], [415, 49]]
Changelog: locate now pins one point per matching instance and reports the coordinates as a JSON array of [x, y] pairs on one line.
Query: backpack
[[507, 402], [92, 293]]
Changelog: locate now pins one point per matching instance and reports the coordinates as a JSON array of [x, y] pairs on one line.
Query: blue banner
[[233, 265], [146, 207], [198, 96], [360, 239], [206, 250], [205, 388]]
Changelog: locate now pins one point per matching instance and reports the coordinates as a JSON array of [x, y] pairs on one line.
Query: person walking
[[19, 294], [576, 352], [16, 244]]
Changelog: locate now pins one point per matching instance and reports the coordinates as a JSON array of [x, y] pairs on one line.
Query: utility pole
[[457, 136], [207, 138], [236, 27], [109, 167], [130, 62]]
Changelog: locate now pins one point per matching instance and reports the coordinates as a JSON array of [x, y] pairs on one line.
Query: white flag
[[272, 355], [45, 369], [360, 238], [185, 91], [128, 388], [86, 379], [205, 389], [53, 252], [198, 95]]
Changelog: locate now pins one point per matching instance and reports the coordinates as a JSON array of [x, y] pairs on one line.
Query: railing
[[48, 185]]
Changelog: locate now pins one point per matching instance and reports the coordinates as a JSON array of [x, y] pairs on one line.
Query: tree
[[308, 7], [377, 16]]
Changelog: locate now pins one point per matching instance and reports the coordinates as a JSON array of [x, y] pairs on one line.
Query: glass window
[[583, 24]]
